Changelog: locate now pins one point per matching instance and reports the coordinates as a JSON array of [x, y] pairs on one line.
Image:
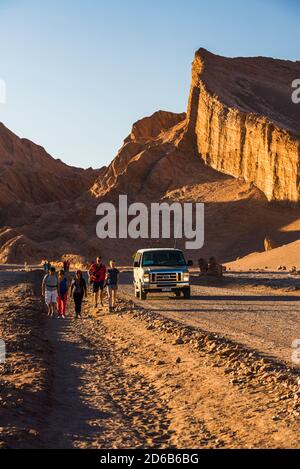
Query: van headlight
[[186, 277], [146, 278]]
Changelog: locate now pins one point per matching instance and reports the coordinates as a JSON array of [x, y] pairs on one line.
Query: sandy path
[[116, 383], [94, 401], [120, 381], [268, 322]]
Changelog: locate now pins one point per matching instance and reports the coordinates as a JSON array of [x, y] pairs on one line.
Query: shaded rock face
[[15, 247], [242, 121], [149, 160]]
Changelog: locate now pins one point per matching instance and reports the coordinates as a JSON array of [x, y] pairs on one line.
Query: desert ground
[[211, 372]]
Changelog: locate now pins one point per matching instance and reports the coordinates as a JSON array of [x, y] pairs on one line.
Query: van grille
[[166, 277]]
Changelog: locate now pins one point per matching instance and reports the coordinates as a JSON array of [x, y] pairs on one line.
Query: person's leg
[[114, 295], [109, 295], [54, 302], [80, 298], [64, 304], [96, 297], [75, 297], [102, 293], [47, 301], [50, 302], [96, 293], [59, 305]]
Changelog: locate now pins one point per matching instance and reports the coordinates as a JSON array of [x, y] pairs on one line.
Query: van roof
[[141, 251]]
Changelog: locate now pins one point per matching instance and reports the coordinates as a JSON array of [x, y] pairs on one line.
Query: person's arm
[[43, 287], [72, 287], [84, 288]]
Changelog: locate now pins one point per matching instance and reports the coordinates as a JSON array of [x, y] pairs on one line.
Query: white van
[[161, 270]]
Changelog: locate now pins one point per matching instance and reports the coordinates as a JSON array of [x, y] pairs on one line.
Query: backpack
[[50, 286]]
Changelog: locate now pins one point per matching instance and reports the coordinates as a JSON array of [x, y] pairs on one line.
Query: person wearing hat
[[78, 290]]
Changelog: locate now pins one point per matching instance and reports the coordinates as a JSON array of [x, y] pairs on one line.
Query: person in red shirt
[[97, 275]]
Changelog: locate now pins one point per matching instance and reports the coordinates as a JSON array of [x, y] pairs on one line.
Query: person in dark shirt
[[62, 294], [112, 280], [78, 290]]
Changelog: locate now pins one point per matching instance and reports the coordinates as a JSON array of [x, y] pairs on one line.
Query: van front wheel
[[187, 293], [142, 294]]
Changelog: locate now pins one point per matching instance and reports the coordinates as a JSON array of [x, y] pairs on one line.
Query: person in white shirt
[[50, 291]]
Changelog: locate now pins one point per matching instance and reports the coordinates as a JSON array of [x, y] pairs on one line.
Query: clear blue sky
[[79, 73]]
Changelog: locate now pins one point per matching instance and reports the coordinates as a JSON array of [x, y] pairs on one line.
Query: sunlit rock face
[[244, 123]]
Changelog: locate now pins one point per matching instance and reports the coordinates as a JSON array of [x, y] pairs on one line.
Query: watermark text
[[162, 221]]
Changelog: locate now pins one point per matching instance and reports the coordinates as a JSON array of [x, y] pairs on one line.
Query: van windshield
[[163, 258]]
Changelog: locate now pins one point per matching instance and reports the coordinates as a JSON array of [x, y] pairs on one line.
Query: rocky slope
[[148, 162], [29, 174], [242, 121], [36, 194], [236, 150]]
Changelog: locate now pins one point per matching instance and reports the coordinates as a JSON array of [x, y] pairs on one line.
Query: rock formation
[[148, 161], [29, 174], [269, 244], [242, 121], [236, 149]]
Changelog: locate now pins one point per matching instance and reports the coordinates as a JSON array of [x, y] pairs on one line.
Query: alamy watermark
[[296, 92], [164, 221], [2, 92], [2, 351]]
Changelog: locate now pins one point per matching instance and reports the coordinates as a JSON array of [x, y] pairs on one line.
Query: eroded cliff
[[242, 121]]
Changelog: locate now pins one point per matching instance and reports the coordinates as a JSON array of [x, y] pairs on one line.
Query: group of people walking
[[56, 288]]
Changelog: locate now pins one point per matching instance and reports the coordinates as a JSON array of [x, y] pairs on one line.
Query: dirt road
[[133, 379], [247, 312]]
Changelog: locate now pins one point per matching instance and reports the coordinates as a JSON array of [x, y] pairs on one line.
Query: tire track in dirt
[[207, 408], [93, 400], [23, 375], [135, 379]]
